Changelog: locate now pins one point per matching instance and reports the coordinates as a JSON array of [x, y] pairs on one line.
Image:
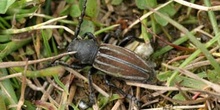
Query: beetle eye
[[72, 46], [68, 50]]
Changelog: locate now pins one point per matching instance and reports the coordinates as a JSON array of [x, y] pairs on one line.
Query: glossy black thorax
[[86, 50]]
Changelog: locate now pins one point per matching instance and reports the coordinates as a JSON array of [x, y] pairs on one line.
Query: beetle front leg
[[91, 89], [74, 66], [90, 36]]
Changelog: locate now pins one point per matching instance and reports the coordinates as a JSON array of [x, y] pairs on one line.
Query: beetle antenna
[[80, 20]]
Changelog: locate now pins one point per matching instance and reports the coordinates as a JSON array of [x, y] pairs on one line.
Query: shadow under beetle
[[113, 60]]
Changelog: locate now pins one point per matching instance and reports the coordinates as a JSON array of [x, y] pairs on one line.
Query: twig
[[23, 63], [178, 107], [199, 64], [56, 27], [199, 7], [23, 87], [145, 16], [86, 80], [39, 26], [11, 76], [192, 75], [154, 87]]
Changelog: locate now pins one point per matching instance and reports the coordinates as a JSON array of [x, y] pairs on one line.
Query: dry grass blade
[[198, 64], [86, 80], [164, 88], [183, 33], [145, 16], [179, 107], [23, 87], [199, 7], [23, 63], [192, 75]]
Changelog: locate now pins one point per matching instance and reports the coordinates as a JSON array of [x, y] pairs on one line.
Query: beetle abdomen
[[122, 63]]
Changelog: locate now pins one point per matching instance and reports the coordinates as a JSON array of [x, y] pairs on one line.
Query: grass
[[184, 36]]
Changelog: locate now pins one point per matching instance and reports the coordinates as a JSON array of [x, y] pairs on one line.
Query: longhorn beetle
[[113, 60]]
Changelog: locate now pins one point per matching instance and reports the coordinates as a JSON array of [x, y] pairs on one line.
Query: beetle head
[[86, 50]]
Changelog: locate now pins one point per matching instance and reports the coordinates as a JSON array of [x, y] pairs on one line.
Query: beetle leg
[[74, 66], [125, 40], [90, 36], [129, 38], [116, 35], [91, 89], [77, 66], [129, 96], [83, 105], [107, 38]]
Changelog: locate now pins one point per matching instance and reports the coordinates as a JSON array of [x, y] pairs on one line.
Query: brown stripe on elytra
[[126, 72], [123, 54], [118, 67]]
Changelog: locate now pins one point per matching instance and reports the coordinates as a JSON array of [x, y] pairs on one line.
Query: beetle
[[113, 60]]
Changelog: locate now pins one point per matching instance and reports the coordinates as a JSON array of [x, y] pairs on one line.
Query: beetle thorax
[[86, 50]]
